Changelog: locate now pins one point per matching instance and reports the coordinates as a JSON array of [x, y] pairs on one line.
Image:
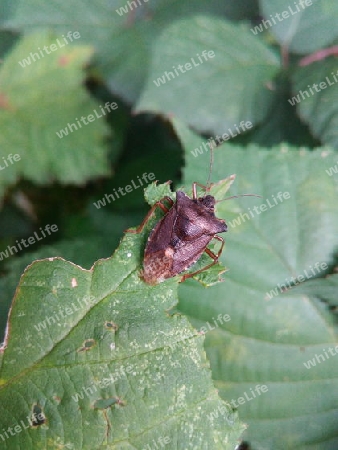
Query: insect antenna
[[237, 196], [211, 163], [208, 185]]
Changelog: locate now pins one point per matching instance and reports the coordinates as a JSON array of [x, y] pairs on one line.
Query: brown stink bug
[[178, 240]]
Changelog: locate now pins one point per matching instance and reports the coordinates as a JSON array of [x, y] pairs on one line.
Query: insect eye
[[208, 201]]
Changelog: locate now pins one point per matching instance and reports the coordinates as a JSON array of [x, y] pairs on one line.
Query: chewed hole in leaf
[[111, 326], [87, 345], [106, 403], [38, 417]]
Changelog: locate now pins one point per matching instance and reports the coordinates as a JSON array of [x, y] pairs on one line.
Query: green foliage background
[[158, 129]]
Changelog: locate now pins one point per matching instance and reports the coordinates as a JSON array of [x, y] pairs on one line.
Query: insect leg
[[212, 256], [158, 204], [194, 189]]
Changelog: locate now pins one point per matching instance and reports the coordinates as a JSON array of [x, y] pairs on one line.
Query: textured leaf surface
[[96, 352], [305, 29], [84, 252], [326, 290], [267, 342], [237, 74], [40, 99], [115, 32], [317, 92]]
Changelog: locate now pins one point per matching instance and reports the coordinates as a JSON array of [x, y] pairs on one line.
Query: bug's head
[[208, 201]]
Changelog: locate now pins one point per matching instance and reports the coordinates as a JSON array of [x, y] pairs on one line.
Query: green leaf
[[154, 193], [284, 124], [97, 355], [84, 252], [324, 289], [38, 101], [267, 342], [235, 78], [114, 32], [305, 27], [7, 10], [315, 93]]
